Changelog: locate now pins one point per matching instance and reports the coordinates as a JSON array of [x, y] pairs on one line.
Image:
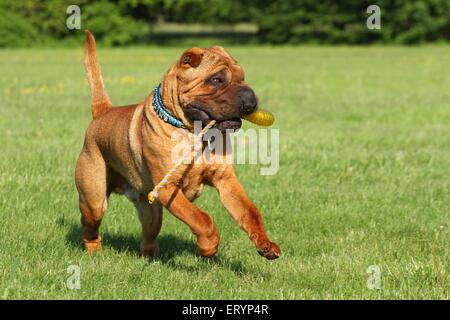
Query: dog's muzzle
[[195, 113]]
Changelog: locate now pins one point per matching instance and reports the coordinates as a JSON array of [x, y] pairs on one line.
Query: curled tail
[[100, 101]]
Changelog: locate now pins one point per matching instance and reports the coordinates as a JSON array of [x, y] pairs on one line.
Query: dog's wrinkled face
[[211, 86]]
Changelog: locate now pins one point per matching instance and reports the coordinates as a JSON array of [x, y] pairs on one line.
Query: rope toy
[[154, 193]]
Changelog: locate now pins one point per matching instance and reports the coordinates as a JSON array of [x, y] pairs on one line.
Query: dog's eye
[[217, 80]]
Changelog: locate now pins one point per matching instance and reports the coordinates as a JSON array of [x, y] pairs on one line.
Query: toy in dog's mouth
[[259, 117]]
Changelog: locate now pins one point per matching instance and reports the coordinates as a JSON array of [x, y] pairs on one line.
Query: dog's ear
[[192, 57]]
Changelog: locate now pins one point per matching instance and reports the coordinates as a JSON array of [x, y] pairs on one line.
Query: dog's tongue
[[230, 124]]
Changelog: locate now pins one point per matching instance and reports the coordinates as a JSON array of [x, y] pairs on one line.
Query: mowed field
[[364, 179]]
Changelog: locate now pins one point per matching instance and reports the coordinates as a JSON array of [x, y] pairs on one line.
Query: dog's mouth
[[195, 113]]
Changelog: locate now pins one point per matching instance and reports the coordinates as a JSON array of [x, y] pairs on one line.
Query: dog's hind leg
[[91, 180], [151, 220]]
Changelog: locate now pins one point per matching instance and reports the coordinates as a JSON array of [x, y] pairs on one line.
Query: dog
[[127, 150]]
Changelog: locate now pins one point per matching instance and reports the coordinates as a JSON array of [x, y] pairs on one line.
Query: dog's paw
[[269, 250], [208, 246], [93, 246], [150, 250]]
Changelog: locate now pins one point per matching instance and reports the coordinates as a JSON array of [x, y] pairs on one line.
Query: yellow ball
[[260, 117]]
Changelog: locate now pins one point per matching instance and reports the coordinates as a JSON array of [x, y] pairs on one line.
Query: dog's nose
[[248, 100]]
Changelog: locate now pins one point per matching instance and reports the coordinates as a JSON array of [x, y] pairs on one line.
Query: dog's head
[[208, 84]]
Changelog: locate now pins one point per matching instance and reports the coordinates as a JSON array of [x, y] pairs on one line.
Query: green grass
[[364, 179]]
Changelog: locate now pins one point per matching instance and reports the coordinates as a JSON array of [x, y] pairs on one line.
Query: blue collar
[[162, 112]]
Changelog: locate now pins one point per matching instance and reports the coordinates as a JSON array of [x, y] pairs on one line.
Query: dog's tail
[[100, 101]]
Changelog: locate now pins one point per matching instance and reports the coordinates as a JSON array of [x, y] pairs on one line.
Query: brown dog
[[127, 150]]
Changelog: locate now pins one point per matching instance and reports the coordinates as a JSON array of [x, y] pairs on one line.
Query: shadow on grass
[[171, 247]]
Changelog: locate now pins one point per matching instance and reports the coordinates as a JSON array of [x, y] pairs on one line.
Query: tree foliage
[[120, 22]]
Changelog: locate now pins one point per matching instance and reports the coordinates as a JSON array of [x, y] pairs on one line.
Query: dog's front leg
[[198, 221], [242, 209]]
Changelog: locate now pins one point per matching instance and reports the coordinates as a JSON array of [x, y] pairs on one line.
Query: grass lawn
[[364, 179]]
